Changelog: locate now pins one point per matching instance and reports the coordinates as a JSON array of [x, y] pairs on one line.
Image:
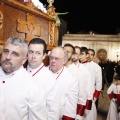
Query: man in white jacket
[[84, 60], [98, 74], [90, 109], [68, 85], [83, 77], [20, 96], [36, 54]]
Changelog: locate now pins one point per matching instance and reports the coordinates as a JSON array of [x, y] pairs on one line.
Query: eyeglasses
[[55, 58]]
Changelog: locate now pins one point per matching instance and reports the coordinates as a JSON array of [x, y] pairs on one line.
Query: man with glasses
[[36, 67], [68, 85]]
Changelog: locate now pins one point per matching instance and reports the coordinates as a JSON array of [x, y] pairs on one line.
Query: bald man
[[68, 85]]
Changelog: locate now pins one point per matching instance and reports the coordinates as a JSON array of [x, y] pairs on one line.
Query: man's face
[[12, 58], [83, 56], [90, 55], [69, 52], [77, 55], [35, 55], [56, 59]]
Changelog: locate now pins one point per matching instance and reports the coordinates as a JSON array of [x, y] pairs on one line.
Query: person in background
[[36, 54], [114, 95], [20, 96], [117, 69], [110, 71], [68, 85], [103, 66]]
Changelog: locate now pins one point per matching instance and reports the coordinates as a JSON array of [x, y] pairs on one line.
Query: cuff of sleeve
[[88, 104], [96, 94], [78, 117], [80, 109], [67, 118], [110, 96]]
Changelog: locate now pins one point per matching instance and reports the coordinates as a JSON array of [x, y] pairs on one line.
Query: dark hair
[[70, 45], [92, 51], [39, 41], [117, 77], [77, 47], [84, 49]]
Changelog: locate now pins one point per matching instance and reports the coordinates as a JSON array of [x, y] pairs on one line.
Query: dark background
[[101, 17]]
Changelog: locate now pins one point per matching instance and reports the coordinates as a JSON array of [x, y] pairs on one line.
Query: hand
[[86, 112], [95, 99], [78, 117], [114, 100], [102, 91]]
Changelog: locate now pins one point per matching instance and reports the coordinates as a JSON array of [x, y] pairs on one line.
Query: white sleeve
[[90, 86], [111, 88], [37, 102], [54, 104], [83, 84], [72, 99], [98, 78], [84, 92]]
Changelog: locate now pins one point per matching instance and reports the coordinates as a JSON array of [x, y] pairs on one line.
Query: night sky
[[85, 16]]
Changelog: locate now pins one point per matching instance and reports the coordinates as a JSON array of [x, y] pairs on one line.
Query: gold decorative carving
[[56, 35], [50, 2], [51, 11], [53, 34], [51, 39], [1, 20], [53, 28], [29, 27], [29, 4], [2, 43]]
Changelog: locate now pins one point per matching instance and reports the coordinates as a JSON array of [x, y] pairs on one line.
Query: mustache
[[7, 61]]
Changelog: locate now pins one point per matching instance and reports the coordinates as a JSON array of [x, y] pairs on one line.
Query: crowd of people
[[67, 89]]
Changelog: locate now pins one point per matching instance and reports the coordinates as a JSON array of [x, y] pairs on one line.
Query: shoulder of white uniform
[[111, 88], [68, 73]]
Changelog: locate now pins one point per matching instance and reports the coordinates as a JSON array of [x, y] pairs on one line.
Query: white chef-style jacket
[[92, 115], [98, 79], [43, 76], [112, 113], [67, 94], [20, 97], [84, 80]]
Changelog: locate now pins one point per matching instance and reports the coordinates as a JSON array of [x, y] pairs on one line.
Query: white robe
[[20, 97], [112, 113], [67, 94], [98, 79], [44, 76], [85, 87], [92, 115]]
